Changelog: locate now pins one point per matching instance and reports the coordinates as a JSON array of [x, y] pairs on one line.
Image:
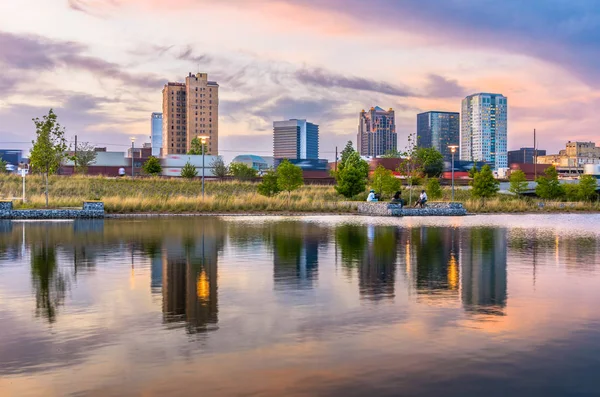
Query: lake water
[[313, 306]]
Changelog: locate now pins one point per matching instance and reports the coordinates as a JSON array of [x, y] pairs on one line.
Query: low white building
[[173, 163]]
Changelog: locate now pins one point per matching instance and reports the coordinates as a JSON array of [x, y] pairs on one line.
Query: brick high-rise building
[[377, 132], [190, 109]]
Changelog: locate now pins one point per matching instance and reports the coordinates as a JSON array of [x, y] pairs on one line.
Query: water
[[317, 306]]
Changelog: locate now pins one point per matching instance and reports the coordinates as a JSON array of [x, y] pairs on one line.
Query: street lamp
[[453, 150], [23, 170], [203, 139], [132, 143]]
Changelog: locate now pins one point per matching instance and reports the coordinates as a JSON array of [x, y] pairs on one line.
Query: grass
[[156, 195]]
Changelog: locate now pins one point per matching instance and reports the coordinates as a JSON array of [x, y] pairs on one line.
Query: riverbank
[[177, 196]]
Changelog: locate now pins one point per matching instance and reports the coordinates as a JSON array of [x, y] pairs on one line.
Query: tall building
[[295, 140], [483, 132], [377, 132], [190, 109], [156, 136], [525, 155], [438, 130]]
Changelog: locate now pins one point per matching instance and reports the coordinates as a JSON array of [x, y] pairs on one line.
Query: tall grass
[[151, 195]]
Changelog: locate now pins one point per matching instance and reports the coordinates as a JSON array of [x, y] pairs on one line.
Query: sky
[[101, 65]]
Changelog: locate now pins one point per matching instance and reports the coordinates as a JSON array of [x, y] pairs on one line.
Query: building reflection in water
[[483, 270], [296, 254], [189, 279], [372, 251], [435, 269]]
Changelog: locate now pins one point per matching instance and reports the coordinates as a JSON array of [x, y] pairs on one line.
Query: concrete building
[[438, 130], [257, 162], [571, 161], [484, 129], [190, 109], [156, 137], [377, 132], [295, 139], [525, 155]]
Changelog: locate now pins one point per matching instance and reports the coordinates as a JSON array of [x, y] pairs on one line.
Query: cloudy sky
[[101, 64]]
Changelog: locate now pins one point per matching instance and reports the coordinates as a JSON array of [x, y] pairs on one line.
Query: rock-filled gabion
[[90, 210], [432, 209]]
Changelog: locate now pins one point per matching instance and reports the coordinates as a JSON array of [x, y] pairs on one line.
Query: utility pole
[[534, 155], [75, 157], [336, 158]]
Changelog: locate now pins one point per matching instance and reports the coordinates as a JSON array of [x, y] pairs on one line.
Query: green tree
[[434, 190], [189, 171], [152, 166], [289, 177], [549, 187], [269, 187], [392, 154], [49, 147], [384, 181], [242, 172], [351, 178], [518, 182], [473, 171], [84, 155], [410, 165], [3, 165], [571, 191], [346, 153], [220, 170], [587, 188], [430, 161], [484, 183], [197, 147]]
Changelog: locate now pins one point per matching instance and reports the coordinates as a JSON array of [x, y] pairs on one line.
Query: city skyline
[[101, 65]]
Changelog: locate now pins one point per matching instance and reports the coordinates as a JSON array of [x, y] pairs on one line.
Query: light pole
[[24, 170], [132, 143], [453, 150], [203, 139]]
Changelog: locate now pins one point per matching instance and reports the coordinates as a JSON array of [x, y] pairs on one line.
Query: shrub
[[548, 187], [518, 182], [269, 187], [587, 188], [484, 183], [434, 190], [152, 166], [242, 172], [289, 177], [351, 177], [384, 182], [189, 171]]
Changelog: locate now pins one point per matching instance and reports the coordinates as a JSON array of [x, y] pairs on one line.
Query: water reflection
[[205, 302]]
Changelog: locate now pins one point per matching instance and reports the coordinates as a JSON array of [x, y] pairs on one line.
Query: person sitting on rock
[[422, 199], [372, 198], [398, 199]]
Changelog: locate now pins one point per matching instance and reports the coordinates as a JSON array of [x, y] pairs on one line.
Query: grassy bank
[[182, 196], [170, 195]]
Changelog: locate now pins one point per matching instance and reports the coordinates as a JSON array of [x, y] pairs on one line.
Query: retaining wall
[[89, 210], [432, 209]]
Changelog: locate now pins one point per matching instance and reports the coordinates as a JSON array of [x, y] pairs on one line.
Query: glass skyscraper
[[484, 132], [156, 138], [438, 130], [295, 140]]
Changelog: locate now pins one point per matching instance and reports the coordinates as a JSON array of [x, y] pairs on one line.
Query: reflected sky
[[329, 306]]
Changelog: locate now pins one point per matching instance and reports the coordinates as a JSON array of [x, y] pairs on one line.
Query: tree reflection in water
[[49, 282]]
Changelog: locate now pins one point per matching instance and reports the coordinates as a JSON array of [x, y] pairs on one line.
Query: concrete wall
[[89, 210]]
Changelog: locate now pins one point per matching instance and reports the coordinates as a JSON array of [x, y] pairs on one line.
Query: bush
[[289, 177], [431, 161], [242, 172], [384, 182], [189, 171], [548, 187], [518, 182], [434, 190], [351, 177], [484, 183], [587, 188], [269, 187], [152, 166]]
